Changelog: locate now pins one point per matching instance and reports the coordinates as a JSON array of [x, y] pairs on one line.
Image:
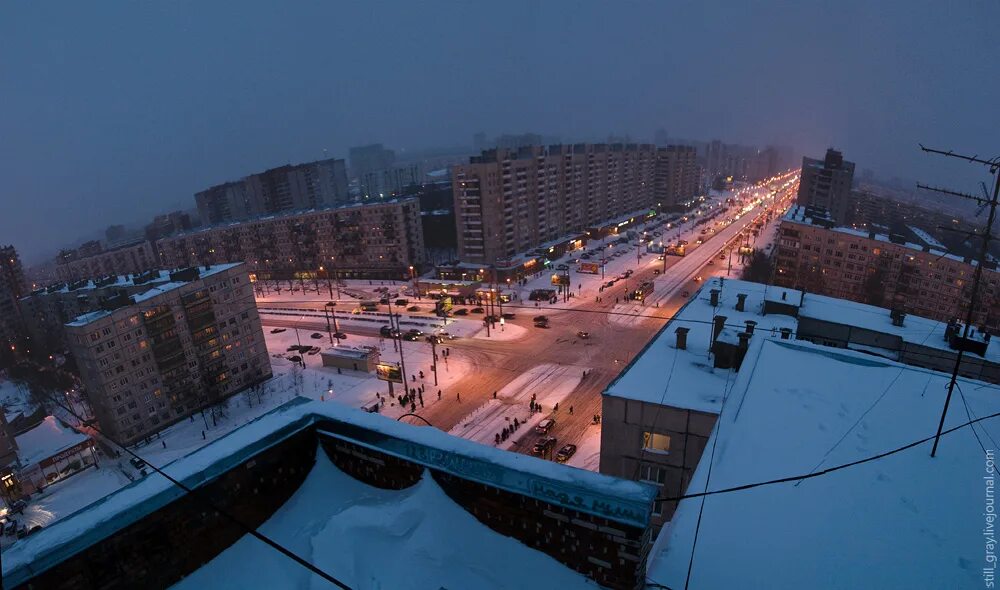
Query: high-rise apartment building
[[151, 359], [286, 188], [826, 184], [74, 265], [509, 201], [376, 240], [366, 159], [676, 175], [13, 286]]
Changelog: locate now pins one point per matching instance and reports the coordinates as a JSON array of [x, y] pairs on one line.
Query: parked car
[[434, 339], [508, 316], [541, 318], [340, 335], [545, 426], [460, 311], [384, 301], [10, 527], [295, 358], [18, 506], [402, 302], [544, 445], [562, 267], [315, 335], [583, 335], [292, 348], [446, 335], [565, 453], [413, 308], [476, 310], [629, 273], [277, 330]]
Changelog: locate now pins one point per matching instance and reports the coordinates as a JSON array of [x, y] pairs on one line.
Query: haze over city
[[116, 111], [433, 295]]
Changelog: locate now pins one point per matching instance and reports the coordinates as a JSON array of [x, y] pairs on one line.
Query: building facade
[[884, 270], [510, 201], [287, 188], [154, 358], [137, 257], [13, 286], [377, 240], [677, 175], [826, 184]]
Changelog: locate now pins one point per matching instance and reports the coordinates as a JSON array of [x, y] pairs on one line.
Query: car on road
[[413, 308], [583, 335], [386, 332], [402, 302], [562, 267], [656, 271], [315, 335], [460, 311], [711, 262], [507, 316], [545, 426], [384, 301], [544, 445], [137, 462], [18, 506], [697, 279], [476, 310], [434, 339], [684, 294], [277, 330], [292, 348], [340, 336], [629, 273], [565, 453], [446, 335]]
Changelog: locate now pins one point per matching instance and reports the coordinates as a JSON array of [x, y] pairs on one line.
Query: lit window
[[652, 441]]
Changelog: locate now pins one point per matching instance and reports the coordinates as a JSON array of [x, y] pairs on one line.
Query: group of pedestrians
[[507, 431]]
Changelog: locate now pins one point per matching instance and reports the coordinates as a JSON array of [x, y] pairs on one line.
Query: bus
[[369, 306], [643, 291]]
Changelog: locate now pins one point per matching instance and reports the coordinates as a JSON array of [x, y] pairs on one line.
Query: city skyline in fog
[[114, 113]]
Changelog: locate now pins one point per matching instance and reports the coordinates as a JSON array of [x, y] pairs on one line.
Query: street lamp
[[413, 278]]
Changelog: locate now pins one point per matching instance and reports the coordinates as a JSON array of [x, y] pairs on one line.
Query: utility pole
[[434, 359], [397, 336], [986, 236]]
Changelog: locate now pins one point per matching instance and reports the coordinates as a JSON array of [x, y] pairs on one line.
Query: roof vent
[[786, 333], [897, 316], [741, 301], [682, 337], [714, 297], [718, 324], [751, 324]]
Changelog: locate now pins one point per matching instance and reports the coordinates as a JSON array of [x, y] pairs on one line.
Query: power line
[[812, 475], [199, 493]]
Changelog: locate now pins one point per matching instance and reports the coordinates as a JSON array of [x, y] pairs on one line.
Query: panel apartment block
[[151, 359], [509, 201], [378, 240]]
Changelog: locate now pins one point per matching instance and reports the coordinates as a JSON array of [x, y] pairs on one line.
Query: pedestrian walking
[[421, 374], [556, 407], [571, 410], [164, 444], [458, 396], [413, 407], [421, 398], [202, 435], [439, 394], [494, 395], [497, 439]]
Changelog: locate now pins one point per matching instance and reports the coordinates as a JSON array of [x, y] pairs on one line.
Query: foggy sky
[[111, 112]]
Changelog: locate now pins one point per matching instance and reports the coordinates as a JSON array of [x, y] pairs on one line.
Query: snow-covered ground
[[588, 452], [375, 539], [549, 383]]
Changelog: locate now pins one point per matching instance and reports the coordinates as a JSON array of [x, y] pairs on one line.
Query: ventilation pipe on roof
[[751, 324], [714, 297], [718, 325], [741, 301], [897, 316], [682, 337], [786, 333], [741, 351]]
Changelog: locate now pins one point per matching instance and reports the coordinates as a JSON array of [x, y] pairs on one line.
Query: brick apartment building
[[375, 240], [912, 273], [827, 184], [150, 359], [13, 286], [509, 201]]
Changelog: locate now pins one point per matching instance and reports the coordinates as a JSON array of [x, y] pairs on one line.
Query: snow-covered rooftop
[[663, 374], [415, 538], [153, 291], [612, 498], [903, 521], [47, 439]]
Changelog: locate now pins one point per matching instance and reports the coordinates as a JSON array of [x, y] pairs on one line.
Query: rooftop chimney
[[786, 333], [784, 295], [897, 316], [718, 324], [682, 337], [741, 350], [751, 324], [741, 300], [714, 297]]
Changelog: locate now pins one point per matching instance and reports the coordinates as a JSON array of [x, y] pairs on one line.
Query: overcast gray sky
[[113, 111]]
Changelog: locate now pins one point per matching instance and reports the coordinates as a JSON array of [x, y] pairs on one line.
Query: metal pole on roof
[[986, 237]]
